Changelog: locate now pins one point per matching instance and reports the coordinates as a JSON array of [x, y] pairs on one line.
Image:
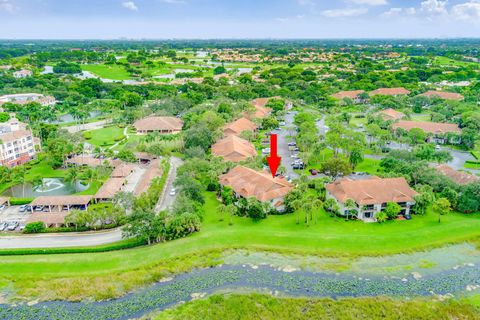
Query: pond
[[451, 279], [49, 187], [67, 118]]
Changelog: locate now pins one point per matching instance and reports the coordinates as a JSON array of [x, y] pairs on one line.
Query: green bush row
[[473, 161], [121, 245], [20, 201], [476, 154]]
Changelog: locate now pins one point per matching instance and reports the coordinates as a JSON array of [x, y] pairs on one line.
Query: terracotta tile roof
[[159, 124], [110, 188], [233, 148], [390, 92], [352, 94], [443, 95], [430, 127], [49, 219], [61, 200], [238, 126], [14, 135], [372, 191], [144, 156], [122, 171], [152, 172], [91, 161], [247, 183], [3, 200], [391, 114], [458, 177]]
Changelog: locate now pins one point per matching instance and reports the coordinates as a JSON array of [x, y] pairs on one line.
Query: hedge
[[120, 245], [20, 201], [476, 154]]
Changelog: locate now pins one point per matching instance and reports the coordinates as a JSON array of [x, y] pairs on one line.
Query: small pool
[[48, 187]]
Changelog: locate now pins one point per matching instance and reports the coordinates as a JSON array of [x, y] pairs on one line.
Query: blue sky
[[166, 19]]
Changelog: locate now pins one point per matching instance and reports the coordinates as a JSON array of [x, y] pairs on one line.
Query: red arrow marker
[[274, 159]]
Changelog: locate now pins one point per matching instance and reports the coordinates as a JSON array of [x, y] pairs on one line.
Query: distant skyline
[[209, 19]]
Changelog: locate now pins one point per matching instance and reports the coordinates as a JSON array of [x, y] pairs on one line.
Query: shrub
[[34, 227], [20, 201]]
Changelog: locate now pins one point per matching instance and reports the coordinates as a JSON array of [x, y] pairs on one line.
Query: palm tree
[[72, 176], [231, 210], [37, 182], [314, 204], [350, 205], [296, 205], [19, 177]]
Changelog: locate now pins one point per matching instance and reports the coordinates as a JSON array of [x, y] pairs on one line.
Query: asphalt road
[[166, 200], [283, 140], [59, 240]]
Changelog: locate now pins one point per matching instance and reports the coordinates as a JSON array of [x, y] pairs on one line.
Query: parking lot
[[10, 215]]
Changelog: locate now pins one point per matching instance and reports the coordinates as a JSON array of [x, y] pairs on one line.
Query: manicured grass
[[113, 72], [420, 117], [63, 275], [104, 137], [475, 166], [257, 306], [444, 61]]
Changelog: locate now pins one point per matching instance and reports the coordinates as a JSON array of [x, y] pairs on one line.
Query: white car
[[437, 147], [173, 192], [2, 207], [3, 225]]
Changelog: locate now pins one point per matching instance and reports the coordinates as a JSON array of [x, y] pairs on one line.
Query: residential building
[[443, 95], [352, 94], [391, 114], [24, 98], [247, 183], [390, 92], [164, 125], [461, 178], [17, 144], [371, 195], [437, 130], [233, 148], [238, 126], [22, 73]]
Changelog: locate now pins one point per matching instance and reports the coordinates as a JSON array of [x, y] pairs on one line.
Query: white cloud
[[397, 12], [370, 2], [468, 11], [347, 12], [434, 7], [287, 19], [8, 6], [130, 5]]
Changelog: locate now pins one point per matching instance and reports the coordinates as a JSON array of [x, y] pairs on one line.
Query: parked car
[[3, 225], [282, 123], [173, 192], [2, 207], [294, 156], [266, 151], [299, 166], [437, 147], [23, 208], [12, 225], [313, 172], [21, 227], [39, 208], [292, 144]]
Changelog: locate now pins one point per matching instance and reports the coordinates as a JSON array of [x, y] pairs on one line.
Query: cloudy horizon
[[248, 19]]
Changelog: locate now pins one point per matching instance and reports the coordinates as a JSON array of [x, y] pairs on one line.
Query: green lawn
[[104, 137], [475, 166], [112, 72], [420, 117], [444, 61], [81, 275]]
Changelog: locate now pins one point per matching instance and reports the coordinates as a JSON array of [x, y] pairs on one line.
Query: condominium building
[[17, 144]]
